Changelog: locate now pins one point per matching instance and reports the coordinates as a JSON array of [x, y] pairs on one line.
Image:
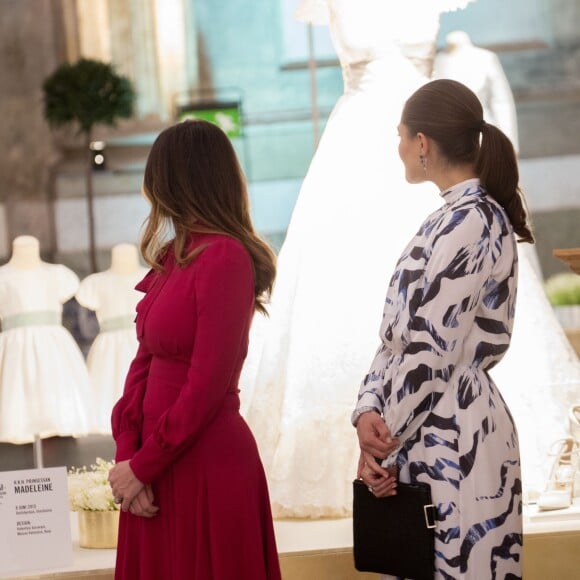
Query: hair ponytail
[[451, 114], [497, 169]]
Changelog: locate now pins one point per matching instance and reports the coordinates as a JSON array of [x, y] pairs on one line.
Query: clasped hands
[[133, 495], [375, 441]]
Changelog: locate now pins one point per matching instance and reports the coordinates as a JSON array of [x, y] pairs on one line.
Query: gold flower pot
[[98, 529]]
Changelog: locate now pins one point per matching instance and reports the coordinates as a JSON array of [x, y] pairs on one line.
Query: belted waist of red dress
[[173, 372]]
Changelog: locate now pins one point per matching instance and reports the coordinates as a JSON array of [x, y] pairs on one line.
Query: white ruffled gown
[[113, 297], [44, 383], [539, 376], [354, 215]]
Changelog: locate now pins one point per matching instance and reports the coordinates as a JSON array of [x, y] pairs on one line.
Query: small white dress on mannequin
[[112, 295], [44, 383]]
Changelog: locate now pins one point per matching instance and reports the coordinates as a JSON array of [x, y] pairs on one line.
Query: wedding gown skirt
[[353, 217]]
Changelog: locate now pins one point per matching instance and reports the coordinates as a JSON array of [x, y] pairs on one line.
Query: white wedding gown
[[354, 215]]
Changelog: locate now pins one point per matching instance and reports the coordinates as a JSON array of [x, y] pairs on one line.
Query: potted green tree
[[87, 93]]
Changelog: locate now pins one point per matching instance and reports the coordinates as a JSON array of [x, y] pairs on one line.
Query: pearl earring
[[423, 162]]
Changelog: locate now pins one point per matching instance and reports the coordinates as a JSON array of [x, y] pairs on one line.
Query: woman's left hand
[[124, 484]]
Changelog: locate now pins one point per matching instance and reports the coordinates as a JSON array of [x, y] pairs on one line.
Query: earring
[[423, 162]]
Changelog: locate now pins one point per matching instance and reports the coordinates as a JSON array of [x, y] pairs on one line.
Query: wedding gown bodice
[[366, 31]]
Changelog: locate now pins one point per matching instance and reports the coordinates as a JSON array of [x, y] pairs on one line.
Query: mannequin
[[125, 259], [112, 295], [44, 383], [481, 70], [25, 253]]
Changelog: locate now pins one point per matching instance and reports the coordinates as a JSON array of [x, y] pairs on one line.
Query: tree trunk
[[90, 202]]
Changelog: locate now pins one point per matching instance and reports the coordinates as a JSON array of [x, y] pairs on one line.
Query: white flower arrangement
[[89, 489]]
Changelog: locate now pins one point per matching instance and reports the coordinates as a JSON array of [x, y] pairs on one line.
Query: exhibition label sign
[[34, 520]]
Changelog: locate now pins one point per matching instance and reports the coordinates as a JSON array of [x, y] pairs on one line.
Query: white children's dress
[[44, 383], [113, 298]]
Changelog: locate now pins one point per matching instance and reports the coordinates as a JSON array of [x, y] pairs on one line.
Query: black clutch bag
[[394, 535]]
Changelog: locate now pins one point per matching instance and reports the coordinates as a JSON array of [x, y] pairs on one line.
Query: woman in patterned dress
[[428, 404]]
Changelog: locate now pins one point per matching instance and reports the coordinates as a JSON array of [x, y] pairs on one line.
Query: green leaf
[[88, 92]]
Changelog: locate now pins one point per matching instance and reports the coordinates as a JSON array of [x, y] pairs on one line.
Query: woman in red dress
[[194, 496]]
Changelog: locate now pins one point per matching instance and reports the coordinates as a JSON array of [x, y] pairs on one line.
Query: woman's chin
[[414, 179]]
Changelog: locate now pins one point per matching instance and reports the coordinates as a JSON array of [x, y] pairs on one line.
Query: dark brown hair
[[451, 114], [196, 185]]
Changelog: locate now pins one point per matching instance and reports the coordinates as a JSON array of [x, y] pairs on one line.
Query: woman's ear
[[423, 143]]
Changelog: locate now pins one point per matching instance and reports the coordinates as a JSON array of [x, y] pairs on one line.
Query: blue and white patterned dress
[[447, 321]]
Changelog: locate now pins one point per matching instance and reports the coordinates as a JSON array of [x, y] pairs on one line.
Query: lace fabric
[[317, 11]]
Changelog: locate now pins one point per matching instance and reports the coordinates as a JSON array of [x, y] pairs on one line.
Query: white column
[[191, 48], [171, 50], [145, 63], [94, 31]]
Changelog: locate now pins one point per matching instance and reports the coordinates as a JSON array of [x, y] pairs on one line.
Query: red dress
[[178, 422]]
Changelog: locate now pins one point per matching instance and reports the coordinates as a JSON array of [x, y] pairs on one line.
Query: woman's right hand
[[374, 436]]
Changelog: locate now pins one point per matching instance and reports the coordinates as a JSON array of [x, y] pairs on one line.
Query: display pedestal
[[322, 550]]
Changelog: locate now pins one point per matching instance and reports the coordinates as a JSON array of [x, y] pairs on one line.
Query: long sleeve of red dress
[[127, 418], [214, 304]]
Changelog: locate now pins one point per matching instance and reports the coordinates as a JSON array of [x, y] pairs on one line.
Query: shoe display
[[560, 488], [574, 422]]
